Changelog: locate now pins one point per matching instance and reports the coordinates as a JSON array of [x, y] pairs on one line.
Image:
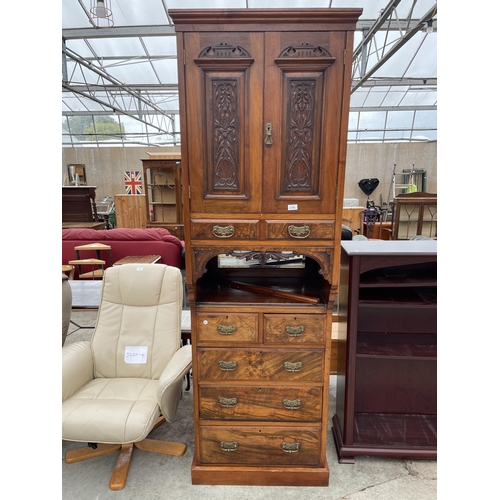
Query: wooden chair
[[415, 214], [97, 264]]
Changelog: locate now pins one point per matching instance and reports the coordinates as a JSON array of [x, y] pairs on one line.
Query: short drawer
[[260, 365], [300, 230], [292, 404], [260, 446], [226, 328], [294, 329], [202, 229]]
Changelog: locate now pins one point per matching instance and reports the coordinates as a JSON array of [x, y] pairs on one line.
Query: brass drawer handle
[[228, 402], [290, 447], [294, 331], [268, 141], [226, 329], [228, 445], [223, 232], [228, 366], [299, 231], [290, 366], [292, 404]]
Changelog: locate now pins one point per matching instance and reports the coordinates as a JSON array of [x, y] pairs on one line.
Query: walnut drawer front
[[294, 404], [294, 328], [231, 328], [260, 446], [255, 365], [215, 229], [300, 230]]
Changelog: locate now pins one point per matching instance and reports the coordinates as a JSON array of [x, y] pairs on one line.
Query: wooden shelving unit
[[163, 190], [387, 368]]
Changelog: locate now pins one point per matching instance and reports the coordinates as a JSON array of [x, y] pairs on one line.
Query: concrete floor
[[155, 476]]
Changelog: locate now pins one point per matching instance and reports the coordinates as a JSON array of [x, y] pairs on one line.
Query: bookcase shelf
[[387, 375]]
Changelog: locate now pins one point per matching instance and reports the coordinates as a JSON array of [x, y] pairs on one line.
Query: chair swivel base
[[120, 472]]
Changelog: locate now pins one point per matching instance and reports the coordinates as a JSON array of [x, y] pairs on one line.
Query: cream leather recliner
[[128, 379]]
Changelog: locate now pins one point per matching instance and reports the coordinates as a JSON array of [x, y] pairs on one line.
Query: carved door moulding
[[223, 49], [305, 50]]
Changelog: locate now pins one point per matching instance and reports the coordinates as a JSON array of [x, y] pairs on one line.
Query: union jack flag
[[133, 182]]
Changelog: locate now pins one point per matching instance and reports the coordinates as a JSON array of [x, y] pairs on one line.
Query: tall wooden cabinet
[[264, 97], [387, 357], [163, 191]]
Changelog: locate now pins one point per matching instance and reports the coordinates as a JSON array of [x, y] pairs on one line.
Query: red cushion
[[121, 234]]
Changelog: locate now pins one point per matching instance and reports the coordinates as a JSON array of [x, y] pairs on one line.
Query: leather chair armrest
[[169, 385], [77, 367]]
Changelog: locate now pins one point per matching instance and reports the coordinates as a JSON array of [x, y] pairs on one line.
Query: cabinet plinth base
[[347, 453], [260, 476]]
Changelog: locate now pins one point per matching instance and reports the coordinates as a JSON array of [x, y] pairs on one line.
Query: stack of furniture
[[264, 98], [387, 358]]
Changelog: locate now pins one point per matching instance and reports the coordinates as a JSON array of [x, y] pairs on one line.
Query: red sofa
[[124, 242]]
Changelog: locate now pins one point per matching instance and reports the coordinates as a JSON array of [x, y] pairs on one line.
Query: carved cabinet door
[[264, 112], [224, 93], [302, 117]]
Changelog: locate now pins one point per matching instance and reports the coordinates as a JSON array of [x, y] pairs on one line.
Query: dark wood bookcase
[[387, 360]]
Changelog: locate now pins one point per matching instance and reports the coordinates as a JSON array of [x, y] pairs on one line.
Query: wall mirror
[[76, 174]]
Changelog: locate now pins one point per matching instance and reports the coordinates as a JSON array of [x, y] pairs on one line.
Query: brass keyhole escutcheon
[[268, 141]]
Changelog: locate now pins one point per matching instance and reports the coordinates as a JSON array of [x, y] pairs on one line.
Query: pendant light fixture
[[101, 14]]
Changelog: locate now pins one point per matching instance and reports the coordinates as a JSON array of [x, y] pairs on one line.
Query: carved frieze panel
[[225, 125], [201, 256], [224, 49], [300, 135], [304, 50], [224, 68], [303, 67], [303, 101]]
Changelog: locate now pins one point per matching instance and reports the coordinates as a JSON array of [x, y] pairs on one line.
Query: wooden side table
[[139, 259]]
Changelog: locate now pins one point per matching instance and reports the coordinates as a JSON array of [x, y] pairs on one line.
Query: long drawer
[[260, 365], [293, 404], [260, 446]]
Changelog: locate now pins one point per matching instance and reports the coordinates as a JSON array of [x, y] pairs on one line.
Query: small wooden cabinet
[[264, 101], [78, 204], [130, 210], [387, 357], [163, 190]]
